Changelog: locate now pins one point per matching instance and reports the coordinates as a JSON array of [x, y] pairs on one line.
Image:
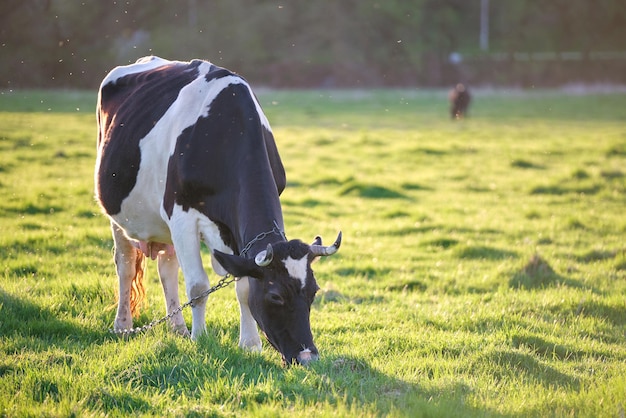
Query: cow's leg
[[248, 331], [125, 256], [168, 273], [186, 240]]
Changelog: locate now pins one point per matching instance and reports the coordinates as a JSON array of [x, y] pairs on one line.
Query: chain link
[[223, 282], [276, 230]]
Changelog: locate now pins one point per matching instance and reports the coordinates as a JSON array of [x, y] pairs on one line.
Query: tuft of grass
[[536, 273], [616, 150], [580, 174]]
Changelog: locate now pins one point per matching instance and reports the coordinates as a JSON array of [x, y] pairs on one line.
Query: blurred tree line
[[327, 43]]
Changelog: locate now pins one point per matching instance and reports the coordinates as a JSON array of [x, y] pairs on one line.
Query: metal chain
[[276, 230], [223, 282]]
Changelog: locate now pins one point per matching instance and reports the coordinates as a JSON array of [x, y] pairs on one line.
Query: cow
[[460, 99], [185, 157]]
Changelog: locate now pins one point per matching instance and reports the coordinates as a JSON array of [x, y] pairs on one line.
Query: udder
[[153, 249]]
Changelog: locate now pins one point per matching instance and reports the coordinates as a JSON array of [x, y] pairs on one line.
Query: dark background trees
[[303, 43]]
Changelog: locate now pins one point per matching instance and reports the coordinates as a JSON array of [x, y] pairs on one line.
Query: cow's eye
[[274, 298]]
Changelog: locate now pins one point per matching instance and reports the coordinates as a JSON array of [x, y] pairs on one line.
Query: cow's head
[[282, 289]]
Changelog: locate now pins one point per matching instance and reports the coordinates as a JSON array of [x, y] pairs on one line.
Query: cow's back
[[129, 106], [175, 123]]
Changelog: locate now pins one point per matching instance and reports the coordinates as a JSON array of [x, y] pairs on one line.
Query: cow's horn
[[265, 257], [318, 249]]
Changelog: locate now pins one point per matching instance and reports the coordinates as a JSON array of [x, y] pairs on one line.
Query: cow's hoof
[[252, 346], [181, 330]]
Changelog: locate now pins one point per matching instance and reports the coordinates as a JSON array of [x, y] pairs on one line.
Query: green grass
[[482, 273]]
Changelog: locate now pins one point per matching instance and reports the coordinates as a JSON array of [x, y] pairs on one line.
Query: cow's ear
[[238, 266], [217, 267]]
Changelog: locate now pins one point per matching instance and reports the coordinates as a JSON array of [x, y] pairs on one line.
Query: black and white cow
[[186, 156]]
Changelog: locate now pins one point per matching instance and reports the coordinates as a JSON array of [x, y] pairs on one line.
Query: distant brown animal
[[459, 101]]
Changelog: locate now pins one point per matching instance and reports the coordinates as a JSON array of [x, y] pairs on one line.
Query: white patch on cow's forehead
[[297, 268]]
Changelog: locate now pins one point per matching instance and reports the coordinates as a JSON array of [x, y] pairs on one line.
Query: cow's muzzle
[[306, 356]]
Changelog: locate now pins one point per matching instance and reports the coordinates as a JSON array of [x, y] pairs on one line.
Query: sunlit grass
[[482, 270]]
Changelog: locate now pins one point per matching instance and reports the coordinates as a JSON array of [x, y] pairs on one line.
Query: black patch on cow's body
[[217, 72], [227, 167], [129, 108]]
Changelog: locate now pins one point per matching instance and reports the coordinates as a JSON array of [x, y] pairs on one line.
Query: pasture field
[[482, 273]]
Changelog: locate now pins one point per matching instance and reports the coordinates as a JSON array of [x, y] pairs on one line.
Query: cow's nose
[[306, 356]]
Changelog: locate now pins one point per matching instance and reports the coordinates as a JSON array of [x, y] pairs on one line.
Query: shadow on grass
[[408, 286], [612, 312], [559, 190], [212, 374], [554, 351], [370, 191], [222, 374], [33, 245], [521, 163], [116, 401], [33, 209], [26, 319], [352, 379], [443, 243], [502, 365], [368, 272], [213, 377], [29, 331], [481, 252]]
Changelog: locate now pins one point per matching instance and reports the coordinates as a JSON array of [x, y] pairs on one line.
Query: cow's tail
[[137, 289]]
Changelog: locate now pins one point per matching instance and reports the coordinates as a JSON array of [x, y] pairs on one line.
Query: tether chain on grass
[[224, 281]]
